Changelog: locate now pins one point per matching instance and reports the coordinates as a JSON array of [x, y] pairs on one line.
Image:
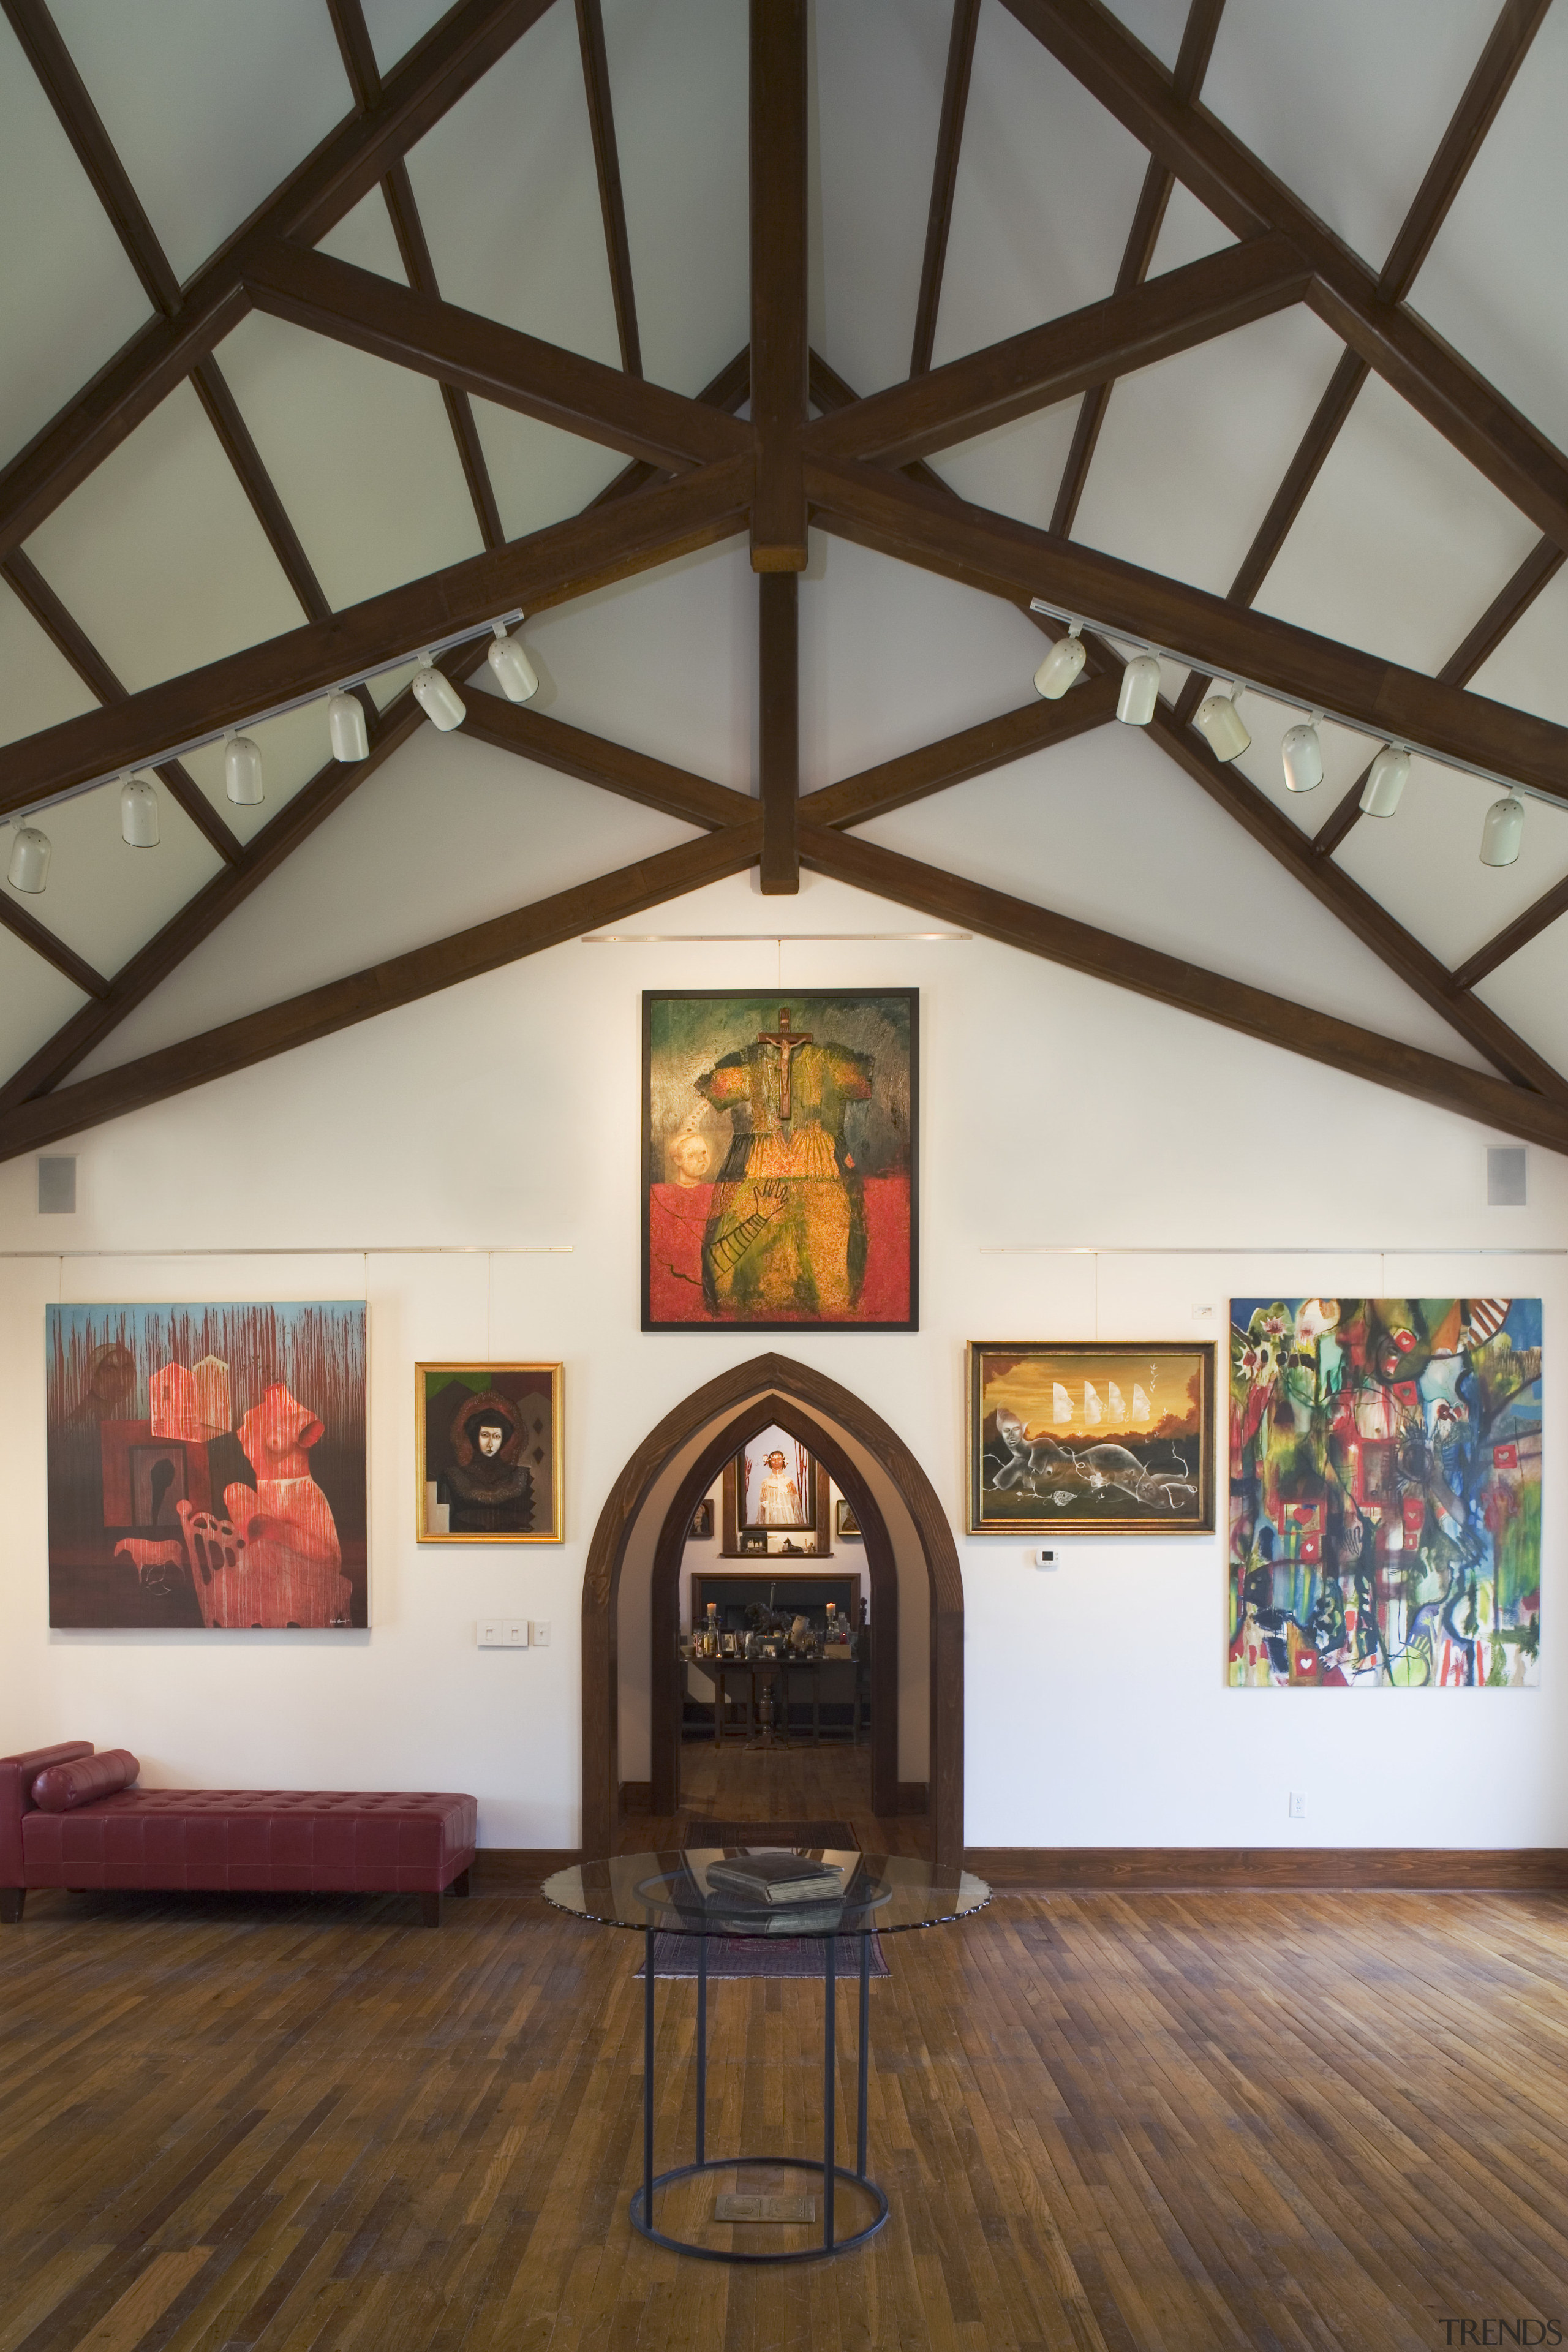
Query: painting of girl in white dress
[[779, 1489]]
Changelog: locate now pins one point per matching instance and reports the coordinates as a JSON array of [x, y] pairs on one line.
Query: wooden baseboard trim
[[518, 1869], [1196, 1869]]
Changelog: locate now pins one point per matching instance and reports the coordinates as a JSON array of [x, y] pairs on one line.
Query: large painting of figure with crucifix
[[780, 1160]]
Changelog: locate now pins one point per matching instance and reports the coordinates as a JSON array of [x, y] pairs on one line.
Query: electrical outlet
[[1040, 1558], [1298, 1804], [539, 1632]]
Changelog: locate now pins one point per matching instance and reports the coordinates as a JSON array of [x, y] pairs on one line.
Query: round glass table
[[673, 1894]]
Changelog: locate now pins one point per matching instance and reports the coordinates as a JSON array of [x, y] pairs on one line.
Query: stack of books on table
[[789, 1890]]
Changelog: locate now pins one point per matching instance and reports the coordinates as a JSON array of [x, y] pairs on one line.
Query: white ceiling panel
[[1016, 468], [1530, 992], [359, 451], [366, 237], [1194, 448], [1423, 862], [1400, 544], [1347, 103], [877, 77], [1109, 830], [69, 297], [679, 81], [510, 200], [38, 688], [158, 556], [1496, 281], [368, 887], [39, 1000], [1528, 668], [1047, 184], [1189, 231], [396, 26], [540, 475], [104, 898], [1158, 24], [210, 108]]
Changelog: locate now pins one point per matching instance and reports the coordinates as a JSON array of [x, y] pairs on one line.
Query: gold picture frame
[[1090, 1437], [511, 1492]]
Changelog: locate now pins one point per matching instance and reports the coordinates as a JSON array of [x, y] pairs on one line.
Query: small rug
[[809, 1834], [762, 1955]]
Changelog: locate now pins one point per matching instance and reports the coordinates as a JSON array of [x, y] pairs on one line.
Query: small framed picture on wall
[[491, 1458]]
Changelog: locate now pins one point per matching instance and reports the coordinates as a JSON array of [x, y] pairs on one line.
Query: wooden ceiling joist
[[973, 752], [945, 178], [608, 166], [1190, 987], [551, 566], [1045, 364], [44, 942], [400, 980], [634, 775], [348, 163], [778, 141]]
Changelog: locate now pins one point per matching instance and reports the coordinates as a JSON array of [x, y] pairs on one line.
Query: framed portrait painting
[[780, 1161], [490, 1463], [1090, 1437]]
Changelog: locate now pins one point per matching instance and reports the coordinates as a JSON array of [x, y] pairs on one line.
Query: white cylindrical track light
[[138, 814], [241, 771], [346, 728], [1385, 779], [1501, 833], [1219, 718], [1302, 754], [1061, 665], [514, 673], [30, 866], [438, 698], [1140, 695]]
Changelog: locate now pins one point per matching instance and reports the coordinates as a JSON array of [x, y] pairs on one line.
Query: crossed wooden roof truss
[[811, 451]]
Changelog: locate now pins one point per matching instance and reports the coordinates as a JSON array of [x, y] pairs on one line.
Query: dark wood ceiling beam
[[550, 567], [1518, 934], [479, 355], [778, 730], [398, 980], [346, 165], [1045, 364], [45, 943], [68, 636], [607, 164], [233, 435], [1190, 987], [1226, 177], [730, 390], [945, 178], [551, 744], [973, 752], [1012, 560], [779, 280], [1137, 260]]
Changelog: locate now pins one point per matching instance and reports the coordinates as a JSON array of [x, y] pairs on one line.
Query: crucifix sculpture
[[789, 1043]]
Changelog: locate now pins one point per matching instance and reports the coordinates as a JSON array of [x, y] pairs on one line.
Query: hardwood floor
[[1152, 2121], [830, 1782]]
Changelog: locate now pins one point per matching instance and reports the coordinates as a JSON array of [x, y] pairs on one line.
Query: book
[[729, 1884], [777, 1867]]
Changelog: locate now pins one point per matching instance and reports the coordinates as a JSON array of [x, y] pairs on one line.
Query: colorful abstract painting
[[1384, 1492], [1090, 1437], [779, 1160], [207, 1465]]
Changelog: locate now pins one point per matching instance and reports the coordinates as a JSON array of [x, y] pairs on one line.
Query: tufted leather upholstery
[[308, 1841], [17, 1774], [60, 1787]]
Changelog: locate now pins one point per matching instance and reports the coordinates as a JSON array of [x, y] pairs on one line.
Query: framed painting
[[490, 1456], [780, 1161], [1384, 1493], [776, 1498], [701, 1528], [207, 1465], [1090, 1437], [846, 1526]]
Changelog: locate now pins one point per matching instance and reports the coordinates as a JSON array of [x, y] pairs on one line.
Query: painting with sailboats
[[1103, 1437]]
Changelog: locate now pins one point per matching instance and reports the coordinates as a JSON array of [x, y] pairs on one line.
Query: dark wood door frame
[[782, 1384], [664, 1614]]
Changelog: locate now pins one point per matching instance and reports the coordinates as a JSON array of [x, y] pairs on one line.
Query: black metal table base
[[829, 2170]]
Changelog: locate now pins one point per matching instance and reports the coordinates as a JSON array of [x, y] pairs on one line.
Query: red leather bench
[[239, 1840]]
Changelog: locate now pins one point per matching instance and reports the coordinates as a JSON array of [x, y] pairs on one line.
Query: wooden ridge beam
[[945, 178], [607, 164], [778, 730], [347, 165], [382, 988], [1012, 560], [1045, 364], [1137, 260], [479, 355], [549, 567], [1227, 177], [1189, 988], [552, 744], [973, 752], [779, 134]]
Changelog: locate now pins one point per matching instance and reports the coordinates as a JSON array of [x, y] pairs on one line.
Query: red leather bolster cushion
[[62, 1786]]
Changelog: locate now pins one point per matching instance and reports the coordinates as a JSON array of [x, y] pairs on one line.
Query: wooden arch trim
[[784, 1380]]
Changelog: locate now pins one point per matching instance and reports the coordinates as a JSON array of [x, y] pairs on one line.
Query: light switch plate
[[489, 1634], [539, 1632]]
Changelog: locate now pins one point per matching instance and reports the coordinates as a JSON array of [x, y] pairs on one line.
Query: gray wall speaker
[[56, 1188], [1505, 1176]]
